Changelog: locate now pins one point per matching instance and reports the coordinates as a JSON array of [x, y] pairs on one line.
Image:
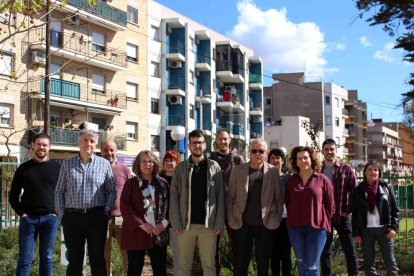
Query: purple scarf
[[371, 190]]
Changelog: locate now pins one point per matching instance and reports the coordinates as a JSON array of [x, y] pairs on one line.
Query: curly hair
[[281, 154], [374, 163], [315, 162], [157, 164]]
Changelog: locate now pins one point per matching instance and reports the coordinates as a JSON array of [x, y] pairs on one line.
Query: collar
[[200, 163], [336, 164], [90, 160]]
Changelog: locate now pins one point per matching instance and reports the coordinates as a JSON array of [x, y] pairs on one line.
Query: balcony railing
[[79, 44], [102, 9], [176, 47], [75, 91], [203, 58], [176, 82], [255, 78], [175, 120]]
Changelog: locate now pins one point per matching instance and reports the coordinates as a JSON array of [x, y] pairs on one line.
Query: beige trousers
[[114, 231]]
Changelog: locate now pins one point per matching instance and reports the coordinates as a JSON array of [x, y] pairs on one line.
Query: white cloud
[[284, 46], [340, 47], [365, 41], [388, 53]]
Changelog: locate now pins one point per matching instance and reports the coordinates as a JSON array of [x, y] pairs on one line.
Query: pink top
[[121, 174], [309, 204]]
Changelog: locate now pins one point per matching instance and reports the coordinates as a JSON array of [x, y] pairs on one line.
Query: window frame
[[132, 10], [128, 83], [155, 106], [94, 85], [127, 134], [10, 68], [132, 58], [157, 144], [9, 117]]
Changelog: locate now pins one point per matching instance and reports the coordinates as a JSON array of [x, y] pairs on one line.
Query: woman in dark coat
[[143, 206], [375, 218]]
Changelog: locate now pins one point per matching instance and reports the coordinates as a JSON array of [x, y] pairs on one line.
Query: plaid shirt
[[85, 186], [344, 183]]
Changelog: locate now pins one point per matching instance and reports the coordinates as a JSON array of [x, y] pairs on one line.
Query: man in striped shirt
[[84, 196]]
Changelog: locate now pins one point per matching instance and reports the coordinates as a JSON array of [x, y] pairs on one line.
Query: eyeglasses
[[147, 163], [255, 151], [198, 143]]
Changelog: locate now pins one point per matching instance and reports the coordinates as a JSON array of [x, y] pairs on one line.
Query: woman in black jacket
[[375, 217]]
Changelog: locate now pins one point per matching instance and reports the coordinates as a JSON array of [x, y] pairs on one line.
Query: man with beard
[[227, 160], [197, 207], [32, 197]]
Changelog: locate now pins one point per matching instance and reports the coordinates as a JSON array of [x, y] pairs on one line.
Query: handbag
[[162, 239]]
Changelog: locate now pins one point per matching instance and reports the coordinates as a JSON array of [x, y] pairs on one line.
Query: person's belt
[[84, 210]]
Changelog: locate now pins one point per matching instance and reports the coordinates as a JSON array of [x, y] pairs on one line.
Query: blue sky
[[324, 38]]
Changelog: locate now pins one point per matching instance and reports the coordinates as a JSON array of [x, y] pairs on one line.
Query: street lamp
[[366, 151], [178, 134]]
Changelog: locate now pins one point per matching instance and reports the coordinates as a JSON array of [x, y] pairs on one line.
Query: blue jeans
[[30, 228], [307, 243]]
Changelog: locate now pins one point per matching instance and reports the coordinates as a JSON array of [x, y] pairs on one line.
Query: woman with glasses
[[310, 206], [144, 203], [282, 248], [375, 217]]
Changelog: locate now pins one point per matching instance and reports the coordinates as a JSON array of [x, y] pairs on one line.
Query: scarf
[[155, 209], [371, 190], [226, 164]]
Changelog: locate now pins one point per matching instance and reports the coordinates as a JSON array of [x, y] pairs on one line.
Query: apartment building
[[200, 79], [98, 74], [407, 146], [384, 145], [293, 95]]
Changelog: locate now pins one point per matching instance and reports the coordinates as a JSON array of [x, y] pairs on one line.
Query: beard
[[40, 154]]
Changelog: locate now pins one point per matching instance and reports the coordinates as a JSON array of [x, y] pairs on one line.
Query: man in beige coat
[[254, 208]]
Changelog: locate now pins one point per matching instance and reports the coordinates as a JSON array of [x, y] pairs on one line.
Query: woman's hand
[[391, 234], [158, 229], [147, 228], [358, 239]]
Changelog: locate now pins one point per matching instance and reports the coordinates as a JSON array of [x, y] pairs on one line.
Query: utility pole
[[46, 110]]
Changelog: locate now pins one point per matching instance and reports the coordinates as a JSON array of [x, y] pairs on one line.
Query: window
[[131, 131], [268, 101], [98, 83], [337, 121], [8, 18], [336, 102], [131, 90], [6, 63], [191, 44], [191, 77], [132, 52], [155, 69], [154, 33], [328, 120], [98, 43], [99, 121], [55, 120], [155, 106], [327, 100], [338, 140], [55, 71], [5, 114], [191, 111], [155, 142], [132, 15]]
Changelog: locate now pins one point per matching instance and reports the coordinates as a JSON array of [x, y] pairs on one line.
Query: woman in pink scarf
[[375, 217]]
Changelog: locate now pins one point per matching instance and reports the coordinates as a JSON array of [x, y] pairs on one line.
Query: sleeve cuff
[[165, 223]]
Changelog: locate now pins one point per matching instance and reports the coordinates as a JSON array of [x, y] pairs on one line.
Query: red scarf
[[371, 190]]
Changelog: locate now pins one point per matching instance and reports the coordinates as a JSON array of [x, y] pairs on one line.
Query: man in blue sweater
[[35, 180]]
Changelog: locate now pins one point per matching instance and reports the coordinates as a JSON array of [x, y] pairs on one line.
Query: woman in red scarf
[[375, 217]]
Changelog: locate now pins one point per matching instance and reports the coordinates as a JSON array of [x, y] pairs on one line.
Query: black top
[[253, 212], [199, 192], [38, 181]]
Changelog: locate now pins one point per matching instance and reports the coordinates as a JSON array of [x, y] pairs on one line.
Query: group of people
[[261, 203]]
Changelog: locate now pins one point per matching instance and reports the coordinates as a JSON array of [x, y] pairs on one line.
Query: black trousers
[[344, 230], [281, 251], [89, 227], [263, 239], [158, 257]]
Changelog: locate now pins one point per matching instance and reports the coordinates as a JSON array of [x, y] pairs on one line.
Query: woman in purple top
[[310, 206]]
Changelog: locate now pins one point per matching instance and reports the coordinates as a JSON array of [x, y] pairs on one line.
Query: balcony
[[255, 82], [69, 137], [175, 120], [74, 94], [238, 130], [79, 48], [99, 13], [176, 51], [225, 72]]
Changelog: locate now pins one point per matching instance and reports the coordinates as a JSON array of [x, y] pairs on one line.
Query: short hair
[[41, 135], [315, 162], [172, 154], [89, 133], [157, 164], [259, 141], [106, 140], [376, 164], [329, 141], [222, 130], [195, 133], [281, 154]]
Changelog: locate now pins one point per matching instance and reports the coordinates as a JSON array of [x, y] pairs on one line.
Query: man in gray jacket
[[197, 207]]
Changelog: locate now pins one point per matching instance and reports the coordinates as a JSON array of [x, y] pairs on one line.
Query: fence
[[7, 215]]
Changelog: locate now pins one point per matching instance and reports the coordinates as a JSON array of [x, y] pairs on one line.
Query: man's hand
[[216, 232], [147, 228], [391, 234], [158, 229], [358, 239]]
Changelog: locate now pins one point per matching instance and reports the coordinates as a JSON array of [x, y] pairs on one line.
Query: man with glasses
[[85, 195], [197, 207], [254, 207]]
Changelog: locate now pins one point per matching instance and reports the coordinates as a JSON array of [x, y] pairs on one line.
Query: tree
[[397, 19], [313, 131]]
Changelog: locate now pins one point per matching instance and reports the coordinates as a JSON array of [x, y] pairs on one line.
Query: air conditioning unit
[[38, 57], [74, 20], [175, 99], [256, 119], [175, 64]]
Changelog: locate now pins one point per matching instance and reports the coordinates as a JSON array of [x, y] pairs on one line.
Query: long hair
[[376, 164], [157, 164], [315, 162]]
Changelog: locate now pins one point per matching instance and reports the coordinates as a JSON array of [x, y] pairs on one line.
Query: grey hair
[[259, 141], [88, 132]]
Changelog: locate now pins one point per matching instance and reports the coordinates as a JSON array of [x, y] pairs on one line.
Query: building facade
[[98, 73], [200, 79]]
